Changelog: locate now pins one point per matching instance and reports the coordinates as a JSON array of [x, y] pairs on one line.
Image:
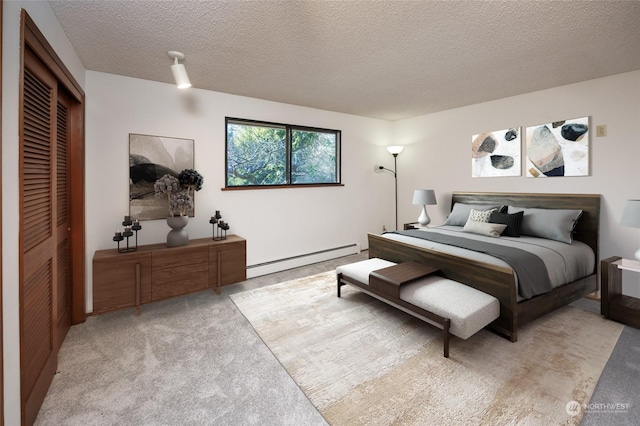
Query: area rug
[[360, 361]]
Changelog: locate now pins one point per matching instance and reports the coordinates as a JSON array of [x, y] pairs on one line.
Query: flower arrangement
[[179, 190], [191, 180]]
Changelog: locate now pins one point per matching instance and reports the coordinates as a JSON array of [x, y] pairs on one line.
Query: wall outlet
[[384, 228], [601, 130]]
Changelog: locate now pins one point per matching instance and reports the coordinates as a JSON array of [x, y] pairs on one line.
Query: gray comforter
[[531, 271]]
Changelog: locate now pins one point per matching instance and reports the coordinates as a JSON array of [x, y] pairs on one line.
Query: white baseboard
[[301, 260]]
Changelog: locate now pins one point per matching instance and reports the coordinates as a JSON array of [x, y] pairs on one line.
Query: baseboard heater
[[301, 260]]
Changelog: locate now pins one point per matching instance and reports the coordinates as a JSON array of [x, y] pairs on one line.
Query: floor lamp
[[393, 150]]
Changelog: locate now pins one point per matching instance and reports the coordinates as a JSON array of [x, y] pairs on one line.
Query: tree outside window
[[268, 154]]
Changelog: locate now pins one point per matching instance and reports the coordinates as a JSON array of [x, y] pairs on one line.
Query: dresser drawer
[[179, 256], [169, 282]]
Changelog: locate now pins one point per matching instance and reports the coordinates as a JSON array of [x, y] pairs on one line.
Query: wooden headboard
[[588, 228]]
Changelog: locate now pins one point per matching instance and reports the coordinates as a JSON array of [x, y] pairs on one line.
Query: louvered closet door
[[63, 221], [45, 271]]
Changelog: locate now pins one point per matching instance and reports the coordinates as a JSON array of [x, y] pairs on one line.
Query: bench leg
[[445, 332], [340, 283]]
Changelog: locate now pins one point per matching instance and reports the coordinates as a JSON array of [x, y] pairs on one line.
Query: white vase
[[178, 236]]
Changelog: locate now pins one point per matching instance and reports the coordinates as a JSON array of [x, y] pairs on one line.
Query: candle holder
[[220, 227], [129, 228]]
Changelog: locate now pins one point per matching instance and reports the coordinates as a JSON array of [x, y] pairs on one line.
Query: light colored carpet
[[362, 362], [191, 360]]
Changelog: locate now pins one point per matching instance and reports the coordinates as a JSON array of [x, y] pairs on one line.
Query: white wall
[[49, 26], [285, 222], [277, 223], [438, 153]]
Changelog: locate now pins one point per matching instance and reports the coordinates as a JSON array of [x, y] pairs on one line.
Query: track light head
[[179, 71]]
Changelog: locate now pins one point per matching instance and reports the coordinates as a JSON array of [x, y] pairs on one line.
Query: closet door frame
[[31, 36], [33, 41]]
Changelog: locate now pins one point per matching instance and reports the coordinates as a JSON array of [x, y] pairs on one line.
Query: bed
[[496, 278]]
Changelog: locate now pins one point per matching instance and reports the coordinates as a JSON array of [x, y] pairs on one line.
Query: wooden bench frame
[[409, 308]]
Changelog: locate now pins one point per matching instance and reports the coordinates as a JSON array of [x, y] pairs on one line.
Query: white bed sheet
[[565, 262]]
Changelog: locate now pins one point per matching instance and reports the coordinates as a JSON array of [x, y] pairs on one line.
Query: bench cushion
[[360, 271], [469, 310]]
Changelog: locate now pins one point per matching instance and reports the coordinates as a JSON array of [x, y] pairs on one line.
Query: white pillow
[[484, 228], [480, 215]]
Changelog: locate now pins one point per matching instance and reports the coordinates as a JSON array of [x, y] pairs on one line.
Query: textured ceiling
[[382, 59]]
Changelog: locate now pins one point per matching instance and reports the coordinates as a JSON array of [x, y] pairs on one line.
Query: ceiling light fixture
[[179, 71]]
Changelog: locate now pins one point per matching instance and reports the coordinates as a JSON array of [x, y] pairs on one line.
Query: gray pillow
[[460, 213], [552, 224]]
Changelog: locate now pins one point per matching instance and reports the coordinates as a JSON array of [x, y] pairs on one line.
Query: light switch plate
[[601, 130]]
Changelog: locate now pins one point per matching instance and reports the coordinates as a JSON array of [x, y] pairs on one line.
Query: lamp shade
[[180, 74], [631, 214], [395, 149], [424, 197]]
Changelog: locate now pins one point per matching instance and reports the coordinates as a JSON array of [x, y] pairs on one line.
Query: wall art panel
[[496, 153], [150, 158], [560, 148]]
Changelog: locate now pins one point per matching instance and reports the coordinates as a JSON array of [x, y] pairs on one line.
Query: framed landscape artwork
[[560, 148], [150, 158], [496, 153]]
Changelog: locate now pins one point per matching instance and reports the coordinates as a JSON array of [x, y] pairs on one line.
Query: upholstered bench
[[358, 272], [456, 308], [469, 310]]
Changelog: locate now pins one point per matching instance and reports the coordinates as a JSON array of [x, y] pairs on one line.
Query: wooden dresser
[[155, 272]]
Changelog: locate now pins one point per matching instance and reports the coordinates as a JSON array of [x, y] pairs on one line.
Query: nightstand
[[613, 304], [414, 225]]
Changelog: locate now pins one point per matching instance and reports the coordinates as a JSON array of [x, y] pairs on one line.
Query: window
[[269, 154]]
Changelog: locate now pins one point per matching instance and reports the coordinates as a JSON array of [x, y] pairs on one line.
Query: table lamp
[[631, 218], [424, 197]]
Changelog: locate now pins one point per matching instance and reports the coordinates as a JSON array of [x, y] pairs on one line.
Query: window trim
[[289, 129]]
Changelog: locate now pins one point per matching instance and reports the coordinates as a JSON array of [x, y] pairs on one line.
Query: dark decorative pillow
[[513, 222]]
